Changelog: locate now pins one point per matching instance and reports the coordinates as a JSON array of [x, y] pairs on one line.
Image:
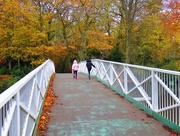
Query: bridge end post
[[154, 92]]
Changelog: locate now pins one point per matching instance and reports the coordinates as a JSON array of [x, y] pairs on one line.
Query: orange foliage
[[2, 61], [99, 41], [171, 20], [49, 100], [84, 3]]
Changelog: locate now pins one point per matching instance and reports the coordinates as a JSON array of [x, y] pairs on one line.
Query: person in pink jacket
[[75, 68]]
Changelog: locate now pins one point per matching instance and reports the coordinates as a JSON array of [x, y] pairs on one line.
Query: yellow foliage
[[58, 2], [49, 16], [87, 3], [84, 3], [99, 41]]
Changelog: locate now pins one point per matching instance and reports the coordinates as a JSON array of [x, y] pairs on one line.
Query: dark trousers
[[89, 71], [75, 74]]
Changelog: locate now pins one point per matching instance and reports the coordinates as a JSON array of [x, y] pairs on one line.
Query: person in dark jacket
[[89, 66]]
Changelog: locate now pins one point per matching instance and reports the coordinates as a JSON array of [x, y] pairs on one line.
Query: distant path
[[88, 108]]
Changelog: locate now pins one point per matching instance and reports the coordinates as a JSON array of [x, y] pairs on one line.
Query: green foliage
[[63, 66], [17, 73], [7, 84], [172, 65], [93, 53], [4, 70], [116, 55], [21, 71]]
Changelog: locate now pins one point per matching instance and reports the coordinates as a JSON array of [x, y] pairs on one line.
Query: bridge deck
[[88, 108]]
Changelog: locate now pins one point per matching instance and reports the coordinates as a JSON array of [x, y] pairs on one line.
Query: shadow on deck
[[89, 108]]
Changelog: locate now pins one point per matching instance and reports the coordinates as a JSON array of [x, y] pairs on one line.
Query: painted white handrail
[[21, 103], [157, 89]]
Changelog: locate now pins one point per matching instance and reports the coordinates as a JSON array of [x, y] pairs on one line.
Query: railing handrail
[[20, 104], [156, 89], [9, 93], [139, 66]]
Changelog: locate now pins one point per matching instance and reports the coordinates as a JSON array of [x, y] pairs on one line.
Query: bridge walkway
[[86, 107]]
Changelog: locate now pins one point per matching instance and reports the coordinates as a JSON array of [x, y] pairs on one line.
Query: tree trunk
[[82, 52], [9, 64], [128, 44]]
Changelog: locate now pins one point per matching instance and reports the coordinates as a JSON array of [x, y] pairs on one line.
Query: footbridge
[[121, 99]]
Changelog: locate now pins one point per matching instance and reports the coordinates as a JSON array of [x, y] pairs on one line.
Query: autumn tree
[[125, 13], [138, 31], [126, 17], [26, 32], [171, 23], [63, 34], [84, 14], [148, 39]]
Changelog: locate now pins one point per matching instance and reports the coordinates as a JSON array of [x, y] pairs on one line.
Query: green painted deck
[[86, 107]]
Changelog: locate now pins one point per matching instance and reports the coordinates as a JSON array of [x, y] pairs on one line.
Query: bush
[[21, 72], [3, 71], [27, 69], [172, 65], [17, 73], [116, 55], [6, 84]]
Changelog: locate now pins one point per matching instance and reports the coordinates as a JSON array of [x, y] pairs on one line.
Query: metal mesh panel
[[39, 77], [118, 68], [13, 127], [25, 93], [40, 100], [117, 85], [33, 106], [121, 79], [130, 84], [140, 74], [30, 126], [23, 116]]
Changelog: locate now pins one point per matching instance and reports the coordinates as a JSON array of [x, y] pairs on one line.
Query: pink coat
[[75, 66]]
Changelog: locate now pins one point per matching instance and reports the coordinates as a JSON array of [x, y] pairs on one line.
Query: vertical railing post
[[125, 79], [154, 92], [18, 113], [101, 70], [111, 74]]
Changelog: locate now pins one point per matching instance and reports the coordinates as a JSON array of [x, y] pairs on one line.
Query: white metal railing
[[21, 103], [158, 89]]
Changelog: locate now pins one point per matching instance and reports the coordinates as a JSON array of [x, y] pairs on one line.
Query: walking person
[[89, 67], [75, 68]]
